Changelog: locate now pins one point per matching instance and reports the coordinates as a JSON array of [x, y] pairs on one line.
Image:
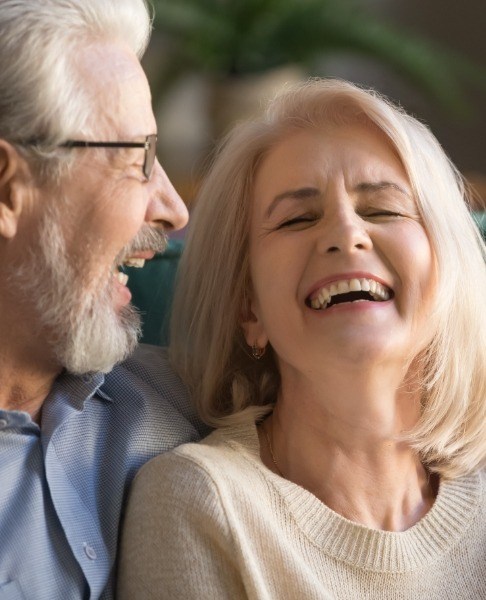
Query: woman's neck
[[339, 441]]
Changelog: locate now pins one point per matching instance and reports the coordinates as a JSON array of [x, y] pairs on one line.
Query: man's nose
[[165, 207]]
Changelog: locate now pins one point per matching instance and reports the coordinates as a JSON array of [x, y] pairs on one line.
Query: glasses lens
[[150, 155]]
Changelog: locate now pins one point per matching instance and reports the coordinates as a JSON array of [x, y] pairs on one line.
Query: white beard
[[83, 329]]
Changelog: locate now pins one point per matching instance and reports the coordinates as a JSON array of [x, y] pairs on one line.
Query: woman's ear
[[252, 325], [10, 198]]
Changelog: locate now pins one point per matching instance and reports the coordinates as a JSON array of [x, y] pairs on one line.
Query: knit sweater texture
[[209, 520]]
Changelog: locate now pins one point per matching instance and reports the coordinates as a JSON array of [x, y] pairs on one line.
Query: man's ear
[[251, 324], [10, 198]]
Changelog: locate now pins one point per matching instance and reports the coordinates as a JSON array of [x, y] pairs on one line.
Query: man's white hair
[[40, 93], [44, 100]]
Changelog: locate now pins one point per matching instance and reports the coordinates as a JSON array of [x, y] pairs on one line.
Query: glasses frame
[[149, 145]]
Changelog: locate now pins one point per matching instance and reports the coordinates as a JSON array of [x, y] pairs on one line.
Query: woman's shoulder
[[223, 453]]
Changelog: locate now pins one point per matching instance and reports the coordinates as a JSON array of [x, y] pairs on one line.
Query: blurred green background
[[214, 62]]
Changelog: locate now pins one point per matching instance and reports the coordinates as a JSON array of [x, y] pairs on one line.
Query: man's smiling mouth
[[349, 290], [130, 261], [143, 247]]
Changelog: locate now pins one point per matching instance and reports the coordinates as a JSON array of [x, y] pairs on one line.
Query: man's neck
[[24, 387], [28, 367]]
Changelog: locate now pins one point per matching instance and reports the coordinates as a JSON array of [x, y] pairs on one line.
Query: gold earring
[[257, 352]]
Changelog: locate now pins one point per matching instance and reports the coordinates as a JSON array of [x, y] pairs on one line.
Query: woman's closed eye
[[298, 221], [381, 213]]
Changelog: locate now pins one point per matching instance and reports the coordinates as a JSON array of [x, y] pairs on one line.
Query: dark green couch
[[480, 218], [153, 286]]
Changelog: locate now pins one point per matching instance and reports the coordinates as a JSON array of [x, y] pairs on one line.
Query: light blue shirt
[[62, 485]]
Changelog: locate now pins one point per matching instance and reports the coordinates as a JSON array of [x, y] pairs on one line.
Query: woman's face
[[341, 265]]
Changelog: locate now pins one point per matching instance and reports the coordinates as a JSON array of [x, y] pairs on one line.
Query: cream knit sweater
[[210, 521]]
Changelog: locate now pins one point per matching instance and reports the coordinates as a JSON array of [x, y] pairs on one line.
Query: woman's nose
[[343, 229]]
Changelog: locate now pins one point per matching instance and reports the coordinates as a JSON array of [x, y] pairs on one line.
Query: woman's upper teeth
[[324, 295]]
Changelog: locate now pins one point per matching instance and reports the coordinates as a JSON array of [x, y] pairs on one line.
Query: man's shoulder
[[151, 364], [147, 381]]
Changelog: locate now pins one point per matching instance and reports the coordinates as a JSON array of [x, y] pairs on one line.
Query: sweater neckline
[[452, 513]]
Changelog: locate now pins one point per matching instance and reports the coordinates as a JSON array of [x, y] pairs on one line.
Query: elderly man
[[81, 195]]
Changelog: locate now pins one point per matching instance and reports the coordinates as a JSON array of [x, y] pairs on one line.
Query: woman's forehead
[[317, 152]]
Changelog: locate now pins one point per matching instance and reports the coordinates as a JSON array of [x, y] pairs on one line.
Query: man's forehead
[[108, 60], [117, 84]]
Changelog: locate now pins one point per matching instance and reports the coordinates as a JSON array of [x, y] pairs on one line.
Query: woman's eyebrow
[[297, 194], [369, 186], [311, 192]]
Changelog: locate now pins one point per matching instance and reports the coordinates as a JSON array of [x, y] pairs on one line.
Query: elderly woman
[[330, 323]]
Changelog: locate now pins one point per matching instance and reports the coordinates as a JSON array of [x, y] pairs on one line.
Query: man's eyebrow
[[297, 194], [368, 186]]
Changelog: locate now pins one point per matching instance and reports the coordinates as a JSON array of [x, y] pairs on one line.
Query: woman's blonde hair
[[207, 344]]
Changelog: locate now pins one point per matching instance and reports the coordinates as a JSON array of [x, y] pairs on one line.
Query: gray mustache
[[148, 238]]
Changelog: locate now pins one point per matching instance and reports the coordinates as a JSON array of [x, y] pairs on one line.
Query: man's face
[[104, 213]]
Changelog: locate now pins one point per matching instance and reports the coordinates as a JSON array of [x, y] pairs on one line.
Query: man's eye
[[301, 220]]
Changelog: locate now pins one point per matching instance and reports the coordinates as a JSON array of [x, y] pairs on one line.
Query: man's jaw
[[76, 315]]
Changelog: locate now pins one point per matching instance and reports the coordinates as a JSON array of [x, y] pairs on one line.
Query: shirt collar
[[68, 395]]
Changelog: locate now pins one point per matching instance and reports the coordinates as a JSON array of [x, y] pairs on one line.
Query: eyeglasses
[[150, 146]]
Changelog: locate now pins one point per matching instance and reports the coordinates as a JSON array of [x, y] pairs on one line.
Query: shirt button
[[3, 423], [90, 551]]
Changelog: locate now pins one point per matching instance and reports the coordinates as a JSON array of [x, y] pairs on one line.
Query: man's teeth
[[122, 277], [131, 261], [323, 298], [134, 262]]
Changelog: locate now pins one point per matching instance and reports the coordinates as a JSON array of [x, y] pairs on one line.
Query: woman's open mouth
[[349, 290]]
